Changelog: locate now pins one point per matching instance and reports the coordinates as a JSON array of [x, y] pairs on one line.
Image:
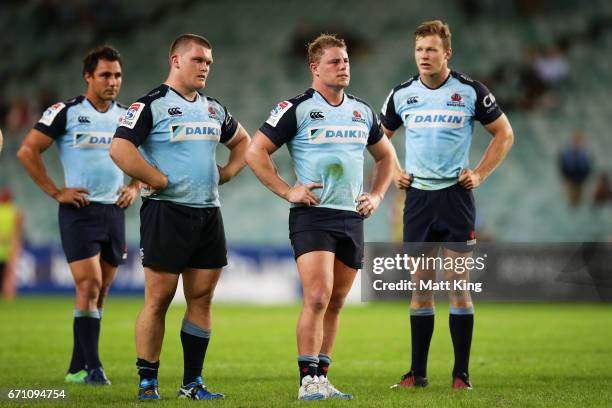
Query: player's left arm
[[503, 138], [237, 145], [385, 159]]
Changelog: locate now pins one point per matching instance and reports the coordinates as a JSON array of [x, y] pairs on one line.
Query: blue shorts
[[326, 229], [447, 215], [91, 230]]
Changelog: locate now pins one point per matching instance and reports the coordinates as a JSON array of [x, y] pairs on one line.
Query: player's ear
[[174, 60], [314, 68], [449, 53], [87, 77]]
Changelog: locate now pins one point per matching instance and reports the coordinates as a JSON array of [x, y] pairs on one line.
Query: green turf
[[523, 355]]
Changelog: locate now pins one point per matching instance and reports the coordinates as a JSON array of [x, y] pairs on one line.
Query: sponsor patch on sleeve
[[49, 115], [131, 116], [278, 112]]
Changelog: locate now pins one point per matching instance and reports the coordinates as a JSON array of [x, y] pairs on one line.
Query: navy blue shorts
[[447, 215], [174, 237], [91, 230], [326, 229]]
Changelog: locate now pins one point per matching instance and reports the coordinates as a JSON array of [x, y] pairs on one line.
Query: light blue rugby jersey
[[180, 138], [439, 124], [83, 136], [326, 143]]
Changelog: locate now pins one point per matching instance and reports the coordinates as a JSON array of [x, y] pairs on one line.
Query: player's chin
[[343, 82], [200, 83], [110, 95]]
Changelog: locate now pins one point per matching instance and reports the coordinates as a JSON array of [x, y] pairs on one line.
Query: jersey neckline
[[326, 101], [96, 109], [450, 74], [182, 97]]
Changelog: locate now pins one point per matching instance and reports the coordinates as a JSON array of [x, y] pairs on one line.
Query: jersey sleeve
[[487, 109], [53, 121], [228, 127], [136, 123], [376, 131], [388, 116], [281, 126]]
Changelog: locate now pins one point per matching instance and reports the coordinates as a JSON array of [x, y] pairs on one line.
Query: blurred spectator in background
[[575, 164], [531, 81], [11, 222], [603, 191], [552, 67], [19, 117]]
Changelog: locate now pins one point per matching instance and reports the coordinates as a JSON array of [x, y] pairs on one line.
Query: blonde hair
[[319, 44], [435, 27]]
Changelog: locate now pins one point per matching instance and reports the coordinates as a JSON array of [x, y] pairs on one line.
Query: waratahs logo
[[455, 100], [357, 117], [212, 113]]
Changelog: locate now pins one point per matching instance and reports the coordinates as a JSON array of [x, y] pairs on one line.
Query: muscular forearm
[[236, 161], [33, 163], [262, 165], [383, 174], [127, 157], [494, 155]]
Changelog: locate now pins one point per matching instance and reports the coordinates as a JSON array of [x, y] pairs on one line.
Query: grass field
[[523, 355]]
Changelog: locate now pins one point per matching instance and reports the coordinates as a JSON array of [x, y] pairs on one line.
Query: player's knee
[[316, 302], [158, 305], [421, 303], [89, 288], [335, 305], [104, 290], [202, 304], [462, 302]]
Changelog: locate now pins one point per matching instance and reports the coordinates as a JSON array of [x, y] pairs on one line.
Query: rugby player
[[438, 108], [168, 140], [326, 131], [93, 201]]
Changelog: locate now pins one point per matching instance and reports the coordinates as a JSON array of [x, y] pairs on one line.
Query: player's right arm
[[259, 159], [133, 131], [30, 156], [127, 157], [391, 121]]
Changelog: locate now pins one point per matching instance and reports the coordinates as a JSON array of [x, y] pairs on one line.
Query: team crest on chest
[[357, 117], [456, 100]]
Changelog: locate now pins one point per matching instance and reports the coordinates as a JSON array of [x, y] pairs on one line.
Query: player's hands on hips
[[403, 180], [301, 194], [469, 179], [152, 189], [76, 196], [127, 196], [368, 203]]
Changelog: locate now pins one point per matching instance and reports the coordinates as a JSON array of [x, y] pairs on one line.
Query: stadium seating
[[253, 70]]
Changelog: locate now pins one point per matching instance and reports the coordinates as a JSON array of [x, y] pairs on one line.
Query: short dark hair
[[322, 42], [184, 39], [103, 52]]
